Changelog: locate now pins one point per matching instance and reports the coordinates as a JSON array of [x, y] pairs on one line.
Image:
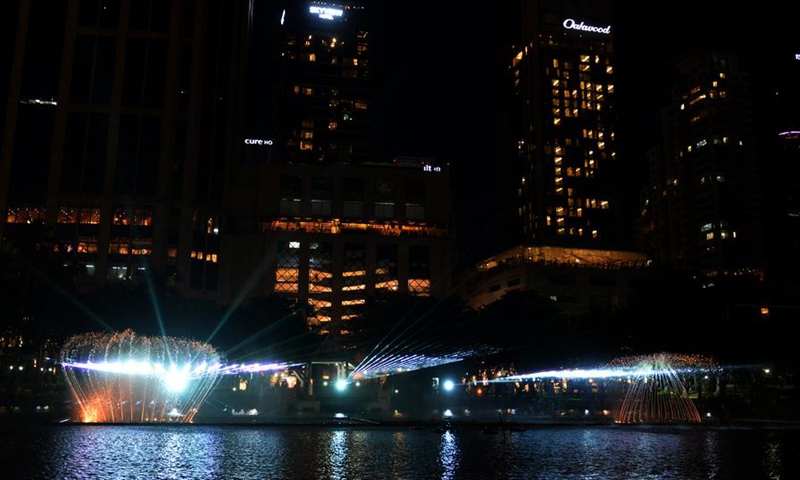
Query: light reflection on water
[[245, 452], [448, 455]]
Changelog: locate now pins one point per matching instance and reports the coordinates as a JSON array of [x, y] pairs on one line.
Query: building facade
[[118, 130], [563, 76], [334, 236], [577, 280]]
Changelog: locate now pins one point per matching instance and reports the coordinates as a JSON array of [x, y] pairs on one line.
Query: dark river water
[[250, 452]]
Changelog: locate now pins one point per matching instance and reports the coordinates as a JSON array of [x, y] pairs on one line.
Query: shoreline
[[489, 426]]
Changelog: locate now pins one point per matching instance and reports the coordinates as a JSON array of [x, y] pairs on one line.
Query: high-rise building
[[325, 94], [118, 128], [320, 219], [704, 197], [563, 74]]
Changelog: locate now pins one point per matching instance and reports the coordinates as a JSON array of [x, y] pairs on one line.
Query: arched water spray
[[656, 393], [126, 378]]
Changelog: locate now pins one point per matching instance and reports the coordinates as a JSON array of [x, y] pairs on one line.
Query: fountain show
[[127, 378]]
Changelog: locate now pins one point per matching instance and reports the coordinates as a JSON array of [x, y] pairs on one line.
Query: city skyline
[[445, 93]]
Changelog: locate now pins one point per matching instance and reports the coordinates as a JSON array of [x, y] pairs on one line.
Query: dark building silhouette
[[704, 202], [779, 123], [119, 124]]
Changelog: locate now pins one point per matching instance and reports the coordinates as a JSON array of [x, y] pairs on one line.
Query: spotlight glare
[[341, 384], [449, 385]]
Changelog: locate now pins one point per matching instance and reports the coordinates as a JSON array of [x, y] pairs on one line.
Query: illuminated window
[[118, 246], [287, 271], [87, 245], [296, 89], [90, 216], [557, 121], [308, 91], [419, 271], [307, 123], [121, 217], [143, 217], [66, 214], [386, 275], [333, 125], [307, 134], [595, 234], [312, 57], [306, 145], [721, 75], [360, 105], [585, 58]]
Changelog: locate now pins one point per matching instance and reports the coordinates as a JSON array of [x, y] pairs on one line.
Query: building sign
[[571, 24], [431, 168], [326, 13], [257, 141]]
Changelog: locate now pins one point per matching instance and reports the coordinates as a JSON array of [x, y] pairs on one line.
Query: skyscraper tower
[[563, 74], [322, 221], [118, 126], [705, 186], [325, 95]]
